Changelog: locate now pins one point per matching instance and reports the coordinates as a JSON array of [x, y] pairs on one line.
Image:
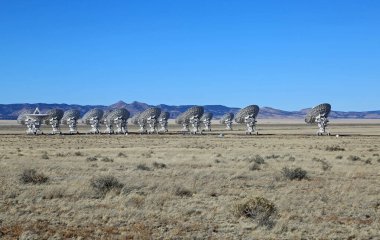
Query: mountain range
[[11, 111]]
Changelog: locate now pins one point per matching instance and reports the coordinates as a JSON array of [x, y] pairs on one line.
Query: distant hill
[[11, 111]]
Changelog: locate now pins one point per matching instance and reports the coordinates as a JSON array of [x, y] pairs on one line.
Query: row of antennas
[[153, 120]]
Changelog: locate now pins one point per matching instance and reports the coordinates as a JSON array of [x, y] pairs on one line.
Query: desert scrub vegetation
[[104, 184], [31, 176], [106, 159], [78, 154], [91, 159], [259, 209], [325, 165], [354, 158], [256, 162], [45, 155], [294, 173], [143, 167], [159, 165], [334, 148], [183, 192]]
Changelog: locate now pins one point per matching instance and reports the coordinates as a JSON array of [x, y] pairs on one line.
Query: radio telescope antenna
[[53, 118], [248, 116], [21, 119], [227, 119], [119, 118], [70, 117], [206, 119], [163, 120], [191, 116], [109, 126], [93, 118], [149, 117], [33, 121], [135, 119], [319, 114]]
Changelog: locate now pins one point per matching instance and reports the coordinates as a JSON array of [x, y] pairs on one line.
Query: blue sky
[[282, 54]]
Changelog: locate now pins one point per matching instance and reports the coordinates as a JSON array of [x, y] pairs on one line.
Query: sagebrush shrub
[[334, 148], [31, 176], [259, 209], [294, 173], [105, 184]]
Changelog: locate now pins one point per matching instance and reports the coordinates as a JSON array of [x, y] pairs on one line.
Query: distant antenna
[[119, 118], [319, 115], [149, 117], [206, 119], [22, 117], [70, 118], [248, 116], [191, 116], [53, 118], [227, 119], [93, 118], [33, 121], [163, 120], [135, 119]]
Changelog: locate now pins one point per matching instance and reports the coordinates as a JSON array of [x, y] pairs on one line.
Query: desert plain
[[174, 186]]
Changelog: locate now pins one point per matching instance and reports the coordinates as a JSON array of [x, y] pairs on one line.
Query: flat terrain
[[177, 186]]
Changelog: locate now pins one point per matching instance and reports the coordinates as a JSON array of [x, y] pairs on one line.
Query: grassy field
[[285, 183]]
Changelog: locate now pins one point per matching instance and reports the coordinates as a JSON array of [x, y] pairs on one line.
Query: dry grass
[[192, 186]]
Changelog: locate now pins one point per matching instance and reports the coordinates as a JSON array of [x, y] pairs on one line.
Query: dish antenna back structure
[[33, 120], [191, 116], [149, 117], [118, 118], [70, 118], [163, 120], [206, 119], [227, 119], [93, 118], [248, 116], [319, 114], [53, 118]]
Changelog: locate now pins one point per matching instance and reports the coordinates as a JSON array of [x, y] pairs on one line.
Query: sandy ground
[[177, 186]]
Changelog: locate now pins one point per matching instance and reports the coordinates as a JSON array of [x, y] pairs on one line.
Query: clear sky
[[283, 54]]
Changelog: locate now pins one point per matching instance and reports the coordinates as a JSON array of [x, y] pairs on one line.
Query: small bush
[[292, 159], [294, 173], [105, 184], [368, 161], [258, 159], [273, 156], [45, 156], [339, 157], [78, 154], [159, 165], [31, 176], [106, 159], [259, 209], [120, 154], [334, 148], [354, 158], [183, 192], [254, 167], [143, 167], [91, 159], [325, 165]]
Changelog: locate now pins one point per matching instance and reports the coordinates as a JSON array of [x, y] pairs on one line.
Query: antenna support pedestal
[[250, 122], [94, 122]]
